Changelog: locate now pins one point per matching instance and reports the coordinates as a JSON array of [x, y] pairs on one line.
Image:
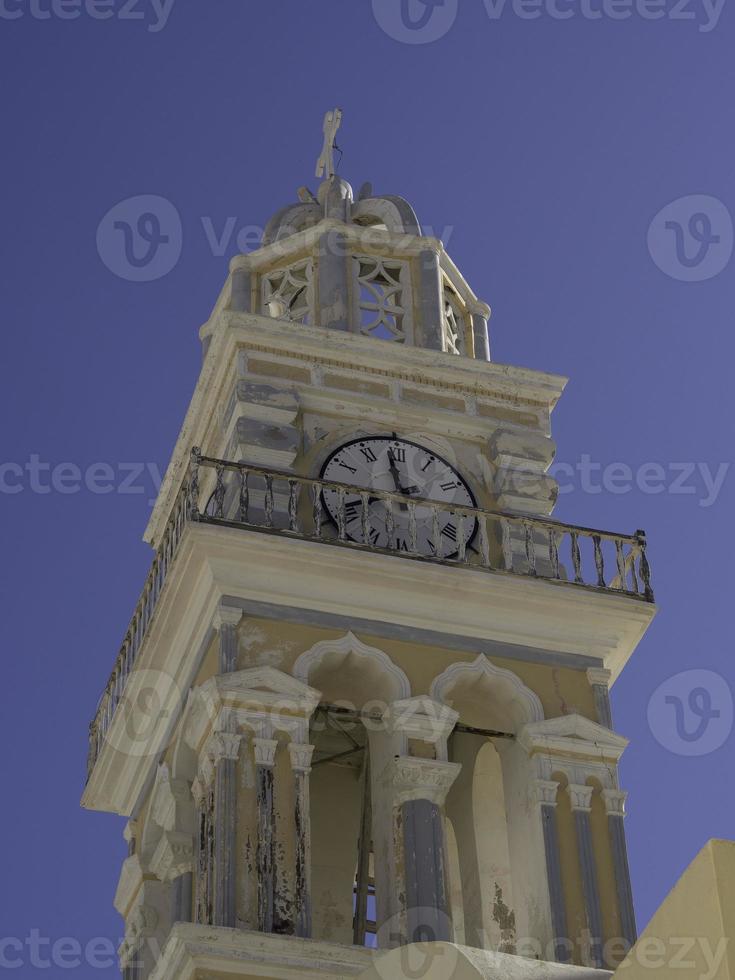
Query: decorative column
[[182, 896], [615, 807], [429, 301], [226, 621], [599, 678], [480, 313], [333, 287], [225, 749], [265, 760], [546, 791], [301, 764], [241, 284], [421, 786], [581, 800], [203, 793]]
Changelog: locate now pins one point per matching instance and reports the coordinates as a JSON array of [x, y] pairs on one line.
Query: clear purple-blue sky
[[542, 147]]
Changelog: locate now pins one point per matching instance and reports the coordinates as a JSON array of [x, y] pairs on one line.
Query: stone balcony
[[272, 538]]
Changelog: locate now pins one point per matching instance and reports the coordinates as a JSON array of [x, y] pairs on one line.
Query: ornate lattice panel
[[455, 323], [288, 294], [381, 288]]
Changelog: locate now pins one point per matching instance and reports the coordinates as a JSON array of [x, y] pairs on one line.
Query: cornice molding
[[337, 349]]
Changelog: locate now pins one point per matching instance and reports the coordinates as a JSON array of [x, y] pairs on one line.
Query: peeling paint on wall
[[506, 920]]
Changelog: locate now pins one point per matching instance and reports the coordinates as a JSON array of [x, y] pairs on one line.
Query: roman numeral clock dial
[[400, 467]]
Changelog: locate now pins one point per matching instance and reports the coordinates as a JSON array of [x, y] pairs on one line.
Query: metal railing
[[138, 626], [382, 522]]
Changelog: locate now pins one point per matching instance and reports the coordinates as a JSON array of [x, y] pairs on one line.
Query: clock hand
[[396, 478]]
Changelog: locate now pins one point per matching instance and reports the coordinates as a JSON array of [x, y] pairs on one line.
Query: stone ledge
[[193, 952]]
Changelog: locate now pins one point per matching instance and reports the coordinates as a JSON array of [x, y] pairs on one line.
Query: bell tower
[[361, 711]]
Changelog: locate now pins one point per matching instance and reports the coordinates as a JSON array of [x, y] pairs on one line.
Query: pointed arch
[[482, 677], [390, 681]]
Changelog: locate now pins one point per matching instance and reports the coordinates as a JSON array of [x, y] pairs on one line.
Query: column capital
[[241, 262], [173, 856], [203, 781], [545, 791], [580, 796], [615, 801], [301, 754], [414, 778], [479, 308], [224, 745], [198, 791], [599, 676], [226, 616], [265, 752]]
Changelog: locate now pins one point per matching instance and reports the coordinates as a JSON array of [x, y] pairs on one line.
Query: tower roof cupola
[[360, 264]]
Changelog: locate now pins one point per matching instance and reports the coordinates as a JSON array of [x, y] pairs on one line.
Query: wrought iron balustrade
[[226, 493]]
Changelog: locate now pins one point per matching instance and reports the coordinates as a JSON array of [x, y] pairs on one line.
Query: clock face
[[403, 467]]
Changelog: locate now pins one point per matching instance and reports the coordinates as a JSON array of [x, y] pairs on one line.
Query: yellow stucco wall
[[692, 935]]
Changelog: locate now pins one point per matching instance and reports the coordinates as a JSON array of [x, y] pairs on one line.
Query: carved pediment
[[572, 735], [256, 696]]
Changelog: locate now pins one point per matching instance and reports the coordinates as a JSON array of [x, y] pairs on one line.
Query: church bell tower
[[361, 711]]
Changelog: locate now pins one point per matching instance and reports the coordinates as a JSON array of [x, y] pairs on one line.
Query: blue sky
[[541, 140]]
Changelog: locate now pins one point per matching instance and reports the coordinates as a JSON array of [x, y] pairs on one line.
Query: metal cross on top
[[325, 163]]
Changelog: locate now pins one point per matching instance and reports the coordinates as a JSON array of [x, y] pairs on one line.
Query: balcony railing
[[231, 494]]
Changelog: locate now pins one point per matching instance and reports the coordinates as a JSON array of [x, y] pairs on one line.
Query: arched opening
[[500, 851], [354, 679]]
